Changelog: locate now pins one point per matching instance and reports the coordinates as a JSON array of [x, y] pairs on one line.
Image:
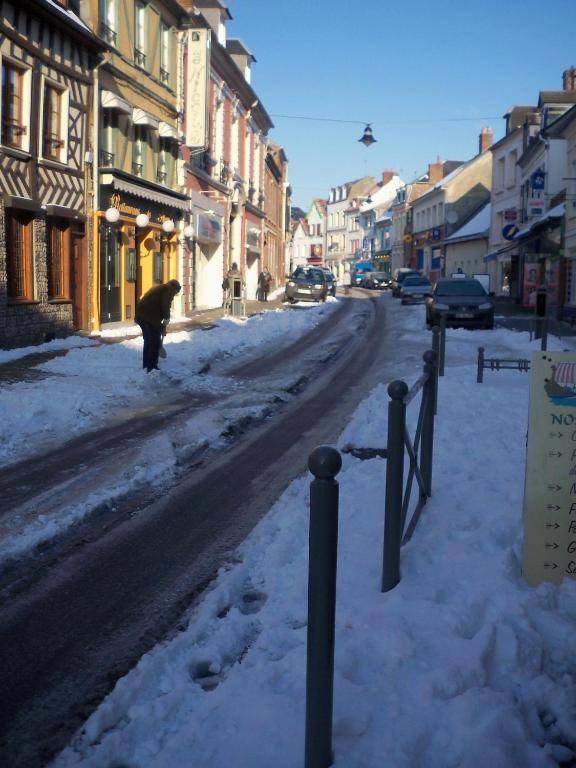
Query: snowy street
[[461, 653]]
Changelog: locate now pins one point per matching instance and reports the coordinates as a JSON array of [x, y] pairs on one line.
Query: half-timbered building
[[47, 55]]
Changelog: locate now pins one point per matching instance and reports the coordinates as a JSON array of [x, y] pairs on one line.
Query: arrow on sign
[[552, 508], [554, 487], [551, 546], [550, 565], [554, 453], [552, 525], [555, 434]]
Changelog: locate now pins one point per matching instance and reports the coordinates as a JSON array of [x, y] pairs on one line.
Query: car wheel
[[291, 300]]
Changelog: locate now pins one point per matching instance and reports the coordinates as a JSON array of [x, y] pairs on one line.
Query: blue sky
[[397, 64]]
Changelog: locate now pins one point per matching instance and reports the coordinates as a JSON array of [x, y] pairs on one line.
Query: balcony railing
[[109, 34], [161, 177], [139, 57], [164, 76], [13, 132], [106, 159], [137, 169]]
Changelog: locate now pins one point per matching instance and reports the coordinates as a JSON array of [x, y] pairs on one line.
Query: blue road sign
[[509, 232]]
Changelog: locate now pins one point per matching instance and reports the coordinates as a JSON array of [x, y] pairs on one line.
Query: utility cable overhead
[[387, 122]]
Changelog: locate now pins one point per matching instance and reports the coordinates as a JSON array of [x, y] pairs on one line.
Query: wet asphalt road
[[66, 638]]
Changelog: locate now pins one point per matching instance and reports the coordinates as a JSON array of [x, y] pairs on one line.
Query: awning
[[171, 201], [167, 131], [554, 213], [22, 203], [110, 100], [140, 117], [61, 212]]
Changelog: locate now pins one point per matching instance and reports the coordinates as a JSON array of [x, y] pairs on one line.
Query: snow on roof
[[477, 226], [554, 213]]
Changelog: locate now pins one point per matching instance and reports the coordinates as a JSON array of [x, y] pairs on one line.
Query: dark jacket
[[154, 306]]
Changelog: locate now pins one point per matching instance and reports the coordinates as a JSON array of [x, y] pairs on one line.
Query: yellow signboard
[[550, 489]]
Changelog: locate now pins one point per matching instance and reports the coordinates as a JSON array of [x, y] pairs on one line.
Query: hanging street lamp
[[367, 137]]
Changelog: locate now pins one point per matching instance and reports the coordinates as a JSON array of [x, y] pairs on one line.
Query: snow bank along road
[[77, 618]]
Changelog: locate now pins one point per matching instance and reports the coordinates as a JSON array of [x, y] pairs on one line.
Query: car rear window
[[316, 274], [460, 288], [416, 281], [403, 275]]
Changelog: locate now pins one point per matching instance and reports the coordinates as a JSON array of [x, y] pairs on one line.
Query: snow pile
[[89, 385], [461, 665], [70, 342]]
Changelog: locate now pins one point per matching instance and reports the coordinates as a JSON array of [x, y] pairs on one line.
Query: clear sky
[[397, 64]]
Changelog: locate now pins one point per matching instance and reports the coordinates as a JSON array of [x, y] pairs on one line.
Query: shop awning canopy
[[140, 117], [554, 213], [170, 201], [109, 100], [167, 131]]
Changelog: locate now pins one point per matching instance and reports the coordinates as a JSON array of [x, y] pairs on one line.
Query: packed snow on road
[[462, 664]]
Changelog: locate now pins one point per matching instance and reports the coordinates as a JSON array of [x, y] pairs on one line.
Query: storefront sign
[[131, 206], [550, 487], [208, 229], [197, 87]]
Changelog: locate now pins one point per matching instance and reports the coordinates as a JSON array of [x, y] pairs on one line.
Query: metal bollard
[[397, 391], [544, 341], [324, 463], [427, 440], [442, 357], [480, 373], [436, 350]]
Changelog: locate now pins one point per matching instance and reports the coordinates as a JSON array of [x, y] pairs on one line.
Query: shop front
[[209, 257], [137, 239]]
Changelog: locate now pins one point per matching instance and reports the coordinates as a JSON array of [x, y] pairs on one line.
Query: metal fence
[[499, 364]]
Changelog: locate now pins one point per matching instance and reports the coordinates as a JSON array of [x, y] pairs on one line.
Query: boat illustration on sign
[[561, 387]]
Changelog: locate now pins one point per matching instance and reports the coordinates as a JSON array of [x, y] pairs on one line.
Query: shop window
[[158, 267], [58, 260], [131, 266], [19, 265], [13, 107]]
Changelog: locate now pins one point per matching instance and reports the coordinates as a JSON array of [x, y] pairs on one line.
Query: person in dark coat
[[153, 315], [264, 282]]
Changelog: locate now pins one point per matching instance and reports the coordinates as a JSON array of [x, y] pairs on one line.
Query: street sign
[[535, 207], [509, 232], [510, 214], [537, 180], [550, 487]]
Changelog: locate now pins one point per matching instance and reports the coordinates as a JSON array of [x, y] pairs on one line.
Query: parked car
[[415, 289], [331, 280], [400, 276], [307, 285], [376, 280], [462, 302]]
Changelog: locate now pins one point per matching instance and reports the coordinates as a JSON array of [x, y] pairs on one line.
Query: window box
[[106, 159], [137, 169]]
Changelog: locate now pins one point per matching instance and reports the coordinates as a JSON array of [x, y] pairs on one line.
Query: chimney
[[485, 140], [569, 79], [435, 171], [387, 176]]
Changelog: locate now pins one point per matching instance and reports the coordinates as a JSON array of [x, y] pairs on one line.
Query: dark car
[[401, 275], [376, 280], [331, 280], [464, 303], [415, 289], [307, 285]]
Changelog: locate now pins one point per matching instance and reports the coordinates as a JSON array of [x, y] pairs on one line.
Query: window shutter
[[154, 27], [124, 138], [128, 11]]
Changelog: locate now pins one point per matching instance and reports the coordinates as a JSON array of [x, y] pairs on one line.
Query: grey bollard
[[325, 462], [397, 391], [427, 440], [480, 372]]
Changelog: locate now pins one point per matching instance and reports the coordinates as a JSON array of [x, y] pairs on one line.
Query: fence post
[[397, 391], [436, 349], [324, 462], [442, 358], [544, 342], [480, 374], [427, 440]]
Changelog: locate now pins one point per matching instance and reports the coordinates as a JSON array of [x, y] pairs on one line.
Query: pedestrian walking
[[153, 316], [264, 283], [347, 281]]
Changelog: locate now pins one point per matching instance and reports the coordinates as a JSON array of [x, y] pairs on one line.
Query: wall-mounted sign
[[436, 234], [535, 208], [550, 488], [510, 214], [197, 87], [253, 239], [538, 180], [208, 229]]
